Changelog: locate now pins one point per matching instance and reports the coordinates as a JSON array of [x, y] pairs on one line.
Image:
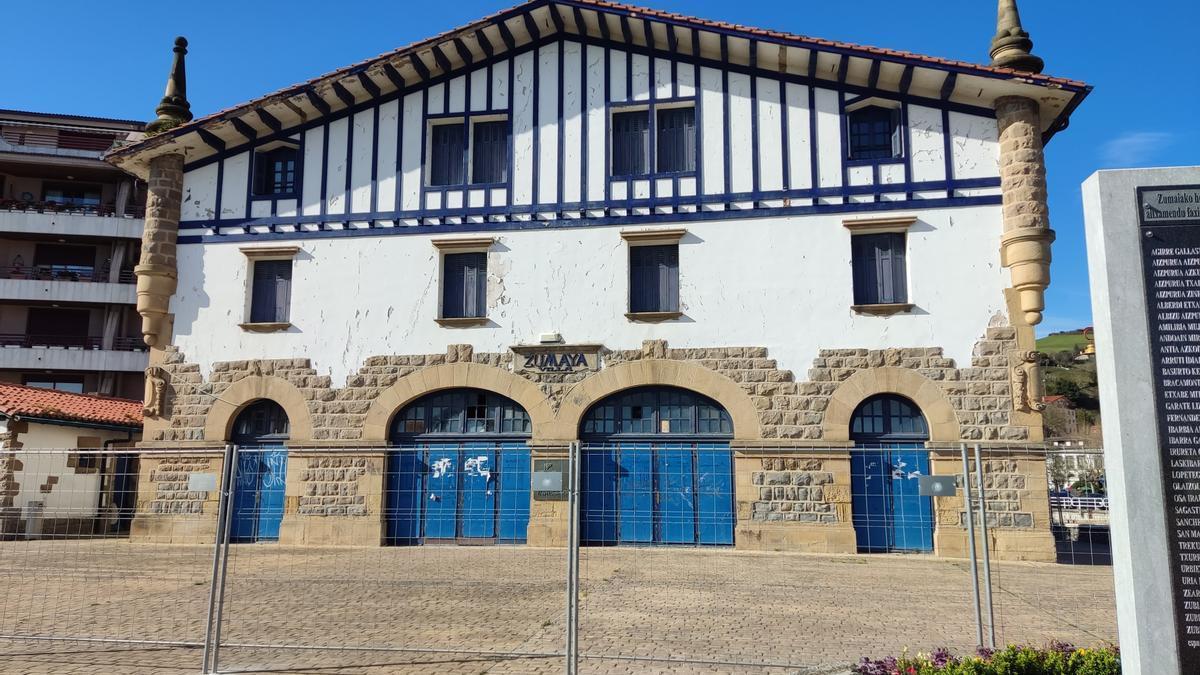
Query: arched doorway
[[459, 470], [656, 468], [889, 514], [259, 431]]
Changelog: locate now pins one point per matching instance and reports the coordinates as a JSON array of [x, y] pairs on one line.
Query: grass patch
[[1062, 342]]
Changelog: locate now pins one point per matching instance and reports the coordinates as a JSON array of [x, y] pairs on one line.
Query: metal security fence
[[469, 556]]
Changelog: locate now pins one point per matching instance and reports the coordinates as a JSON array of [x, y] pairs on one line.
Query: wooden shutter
[[271, 294], [654, 279], [489, 152], [446, 154], [464, 292], [879, 269], [676, 142], [631, 143]]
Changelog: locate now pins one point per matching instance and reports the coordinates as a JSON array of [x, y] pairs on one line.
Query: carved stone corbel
[[155, 400], [1027, 382]]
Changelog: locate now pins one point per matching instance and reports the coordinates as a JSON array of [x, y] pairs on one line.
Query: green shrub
[[1057, 659]]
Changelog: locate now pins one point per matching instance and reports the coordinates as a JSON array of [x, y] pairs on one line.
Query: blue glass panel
[[870, 484]]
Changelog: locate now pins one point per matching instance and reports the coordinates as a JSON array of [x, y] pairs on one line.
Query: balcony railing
[[1082, 503], [102, 210], [69, 273], [121, 344], [64, 140]]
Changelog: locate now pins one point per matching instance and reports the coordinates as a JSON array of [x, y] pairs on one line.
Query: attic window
[[275, 171], [874, 133]]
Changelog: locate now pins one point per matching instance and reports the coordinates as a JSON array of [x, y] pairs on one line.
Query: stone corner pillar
[[157, 277], [1025, 244]]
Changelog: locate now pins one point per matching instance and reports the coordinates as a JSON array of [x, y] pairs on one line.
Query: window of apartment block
[[275, 171], [676, 141], [71, 194], [874, 133], [446, 154], [654, 278], [880, 277], [631, 143], [68, 383], [489, 151], [464, 285], [271, 291]]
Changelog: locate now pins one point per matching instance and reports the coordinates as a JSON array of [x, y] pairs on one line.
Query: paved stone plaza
[[795, 613]]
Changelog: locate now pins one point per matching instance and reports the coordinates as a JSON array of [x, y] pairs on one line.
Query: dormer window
[[275, 171], [874, 133]]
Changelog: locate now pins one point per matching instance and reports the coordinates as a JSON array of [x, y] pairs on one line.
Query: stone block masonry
[[792, 489], [980, 395], [329, 487]]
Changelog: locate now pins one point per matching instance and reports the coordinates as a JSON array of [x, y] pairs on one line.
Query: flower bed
[[1057, 659]]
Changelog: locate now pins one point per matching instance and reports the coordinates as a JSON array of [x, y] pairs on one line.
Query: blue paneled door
[[258, 494], [888, 512], [465, 492], [657, 493]]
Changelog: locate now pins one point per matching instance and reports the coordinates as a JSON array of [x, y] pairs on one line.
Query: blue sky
[[111, 60]]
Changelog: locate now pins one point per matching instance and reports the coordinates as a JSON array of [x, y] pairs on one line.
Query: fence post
[[971, 543], [216, 647], [572, 651], [987, 558], [224, 495]]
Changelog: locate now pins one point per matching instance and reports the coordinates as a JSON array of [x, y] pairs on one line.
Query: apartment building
[[70, 229]]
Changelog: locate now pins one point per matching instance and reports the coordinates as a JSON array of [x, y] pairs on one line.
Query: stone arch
[[455, 376], [656, 372], [219, 424], [924, 392]]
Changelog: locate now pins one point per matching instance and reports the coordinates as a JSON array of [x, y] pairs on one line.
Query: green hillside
[[1062, 342]]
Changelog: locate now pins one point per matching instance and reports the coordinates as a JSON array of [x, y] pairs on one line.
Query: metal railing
[[423, 557], [1100, 503], [59, 139], [69, 273], [102, 210], [88, 342]]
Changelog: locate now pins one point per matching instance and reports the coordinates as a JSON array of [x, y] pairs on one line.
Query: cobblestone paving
[[774, 612]]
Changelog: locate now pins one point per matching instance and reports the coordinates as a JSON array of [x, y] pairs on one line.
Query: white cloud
[[1134, 148]]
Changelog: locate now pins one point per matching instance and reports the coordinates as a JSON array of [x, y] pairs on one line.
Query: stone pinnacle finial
[[174, 108], [1011, 47]]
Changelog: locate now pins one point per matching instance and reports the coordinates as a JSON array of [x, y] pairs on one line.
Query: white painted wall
[[630, 79], [75, 495], [783, 283]]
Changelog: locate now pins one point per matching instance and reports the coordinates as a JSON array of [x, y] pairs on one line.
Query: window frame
[[468, 122], [899, 132], [255, 255], [653, 238], [652, 111], [260, 162], [450, 247], [894, 226]]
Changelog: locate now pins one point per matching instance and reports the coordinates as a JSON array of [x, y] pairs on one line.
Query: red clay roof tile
[[20, 401]]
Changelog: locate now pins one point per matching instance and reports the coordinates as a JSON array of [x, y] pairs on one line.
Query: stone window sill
[[652, 317], [266, 327], [462, 321], [884, 309]]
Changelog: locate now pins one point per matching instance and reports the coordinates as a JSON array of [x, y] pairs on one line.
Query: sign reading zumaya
[[556, 358], [1170, 205]]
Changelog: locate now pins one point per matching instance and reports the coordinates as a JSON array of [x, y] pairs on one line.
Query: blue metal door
[[636, 489], [598, 508], [912, 514], [258, 496], [514, 496], [714, 494], [477, 497], [405, 490], [889, 514], [675, 503], [441, 501]]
